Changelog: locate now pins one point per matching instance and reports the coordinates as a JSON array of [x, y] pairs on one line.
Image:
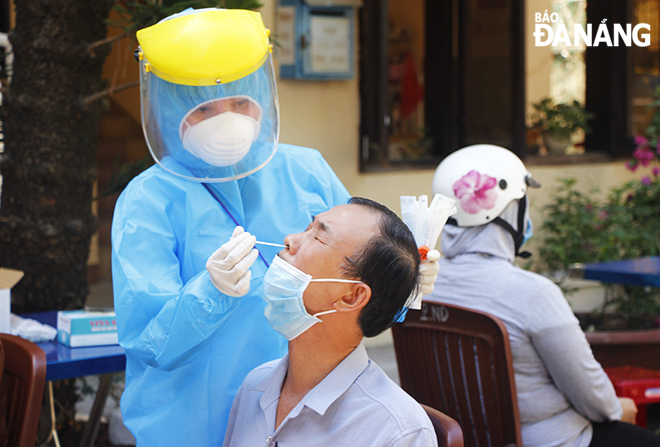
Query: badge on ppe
[[221, 131], [285, 310]]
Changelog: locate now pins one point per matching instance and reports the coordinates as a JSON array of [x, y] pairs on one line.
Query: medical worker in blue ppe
[[187, 278]]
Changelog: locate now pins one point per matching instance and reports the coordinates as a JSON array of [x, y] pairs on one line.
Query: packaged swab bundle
[[426, 223]]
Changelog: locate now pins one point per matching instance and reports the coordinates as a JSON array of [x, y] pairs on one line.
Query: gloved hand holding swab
[[229, 266]]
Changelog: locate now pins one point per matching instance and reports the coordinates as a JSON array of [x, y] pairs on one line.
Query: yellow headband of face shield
[[208, 47]]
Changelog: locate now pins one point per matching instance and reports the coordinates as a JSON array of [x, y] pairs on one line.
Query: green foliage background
[[581, 229]]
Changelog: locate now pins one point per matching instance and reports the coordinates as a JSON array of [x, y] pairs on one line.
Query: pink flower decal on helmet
[[475, 191]]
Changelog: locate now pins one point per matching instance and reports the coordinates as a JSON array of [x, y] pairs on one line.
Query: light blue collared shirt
[[355, 405]]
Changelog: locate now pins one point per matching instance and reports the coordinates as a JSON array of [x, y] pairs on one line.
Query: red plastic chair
[[640, 384], [447, 430], [21, 389], [459, 362]]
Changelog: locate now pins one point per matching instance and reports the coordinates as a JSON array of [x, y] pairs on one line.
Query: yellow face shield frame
[[206, 47]]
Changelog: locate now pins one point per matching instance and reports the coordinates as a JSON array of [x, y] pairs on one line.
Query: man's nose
[[292, 243]]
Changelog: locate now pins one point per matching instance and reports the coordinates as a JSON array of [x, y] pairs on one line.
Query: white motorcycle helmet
[[484, 179]]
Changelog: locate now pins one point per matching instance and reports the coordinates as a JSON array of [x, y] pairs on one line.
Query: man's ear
[[355, 298]]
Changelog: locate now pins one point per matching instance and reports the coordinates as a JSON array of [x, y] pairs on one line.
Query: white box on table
[[77, 328], [8, 279]]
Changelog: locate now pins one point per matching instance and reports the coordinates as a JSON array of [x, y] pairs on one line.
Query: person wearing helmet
[[564, 396], [187, 280]]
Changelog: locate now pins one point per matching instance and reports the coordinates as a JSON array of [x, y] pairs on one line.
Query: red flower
[[644, 156]]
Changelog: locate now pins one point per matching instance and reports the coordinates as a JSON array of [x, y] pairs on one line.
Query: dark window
[[467, 88], [470, 76], [621, 80]]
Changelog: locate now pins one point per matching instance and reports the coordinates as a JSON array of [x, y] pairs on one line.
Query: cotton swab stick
[[271, 244]]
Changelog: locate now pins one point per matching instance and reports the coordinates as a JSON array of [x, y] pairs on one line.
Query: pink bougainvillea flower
[[658, 149], [646, 181], [476, 192], [644, 156], [641, 141], [632, 165], [656, 171]]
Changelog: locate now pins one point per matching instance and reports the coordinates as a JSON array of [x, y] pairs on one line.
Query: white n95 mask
[[223, 139], [285, 311]]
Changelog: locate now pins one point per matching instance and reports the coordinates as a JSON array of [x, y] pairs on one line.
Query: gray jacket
[[561, 387]]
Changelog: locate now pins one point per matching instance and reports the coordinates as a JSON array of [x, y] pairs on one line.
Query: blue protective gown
[[189, 346]]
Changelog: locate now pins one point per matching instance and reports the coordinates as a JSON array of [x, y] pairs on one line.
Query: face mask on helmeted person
[[529, 231], [484, 179], [284, 285], [209, 104]]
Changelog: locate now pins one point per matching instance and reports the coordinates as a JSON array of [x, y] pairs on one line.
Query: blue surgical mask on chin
[[529, 231], [285, 311]]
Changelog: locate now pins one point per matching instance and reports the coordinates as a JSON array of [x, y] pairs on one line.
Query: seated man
[[355, 266]]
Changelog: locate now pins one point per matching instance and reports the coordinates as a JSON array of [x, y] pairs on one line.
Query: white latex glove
[[428, 271], [229, 266]]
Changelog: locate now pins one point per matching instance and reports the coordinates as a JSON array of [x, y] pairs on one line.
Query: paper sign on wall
[[330, 44], [286, 34]]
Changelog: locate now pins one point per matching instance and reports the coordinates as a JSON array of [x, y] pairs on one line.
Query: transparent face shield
[[212, 133]]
